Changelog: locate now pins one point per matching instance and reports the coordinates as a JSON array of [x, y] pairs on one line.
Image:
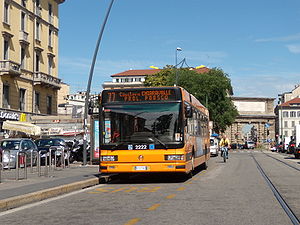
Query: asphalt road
[[226, 193]]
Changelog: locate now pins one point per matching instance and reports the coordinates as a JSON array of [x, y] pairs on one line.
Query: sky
[[257, 43]]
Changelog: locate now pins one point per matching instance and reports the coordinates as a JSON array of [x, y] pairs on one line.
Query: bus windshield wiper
[[157, 139]]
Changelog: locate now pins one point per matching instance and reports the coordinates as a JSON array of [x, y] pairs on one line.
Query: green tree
[[212, 89]]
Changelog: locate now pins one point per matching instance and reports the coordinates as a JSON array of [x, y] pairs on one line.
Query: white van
[[214, 146]]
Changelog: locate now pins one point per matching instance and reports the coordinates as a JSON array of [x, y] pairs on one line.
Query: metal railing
[[21, 161], [16, 165], [54, 159]]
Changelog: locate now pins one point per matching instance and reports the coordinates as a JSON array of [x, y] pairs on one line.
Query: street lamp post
[[177, 49], [87, 96]]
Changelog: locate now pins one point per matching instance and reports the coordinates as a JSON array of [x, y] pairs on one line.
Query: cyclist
[[224, 144]]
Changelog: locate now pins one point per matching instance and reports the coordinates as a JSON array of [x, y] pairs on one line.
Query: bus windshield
[[157, 124]]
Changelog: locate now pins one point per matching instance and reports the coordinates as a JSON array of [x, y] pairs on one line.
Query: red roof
[[151, 72], [291, 102]]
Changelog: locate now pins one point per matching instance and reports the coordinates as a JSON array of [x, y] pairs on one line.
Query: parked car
[[57, 146], [249, 144], [234, 146], [214, 146], [10, 147]]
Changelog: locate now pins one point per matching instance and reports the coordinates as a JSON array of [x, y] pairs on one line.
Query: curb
[[17, 201]]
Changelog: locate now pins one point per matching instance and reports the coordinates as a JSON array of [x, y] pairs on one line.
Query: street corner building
[[29, 59]]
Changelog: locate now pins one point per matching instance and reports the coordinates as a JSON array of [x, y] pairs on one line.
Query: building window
[[6, 13], [286, 133], [49, 104], [293, 123], [24, 3], [117, 80], [50, 38], [37, 102], [23, 58], [50, 13], [298, 114], [37, 62], [37, 30], [6, 49], [22, 99], [285, 123], [50, 65], [5, 99], [292, 114], [285, 114], [23, 21]]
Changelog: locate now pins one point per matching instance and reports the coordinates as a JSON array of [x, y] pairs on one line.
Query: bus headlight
[[109, 158], [174, 157]]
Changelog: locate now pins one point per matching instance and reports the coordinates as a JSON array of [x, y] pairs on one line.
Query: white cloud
[[293, 37], [295, 48]]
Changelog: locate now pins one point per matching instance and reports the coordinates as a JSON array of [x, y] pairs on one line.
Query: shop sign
[[55, 131], [9, 115]]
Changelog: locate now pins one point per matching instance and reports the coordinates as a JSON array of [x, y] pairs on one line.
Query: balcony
[[24, 38], [8, 67], [46, 80]]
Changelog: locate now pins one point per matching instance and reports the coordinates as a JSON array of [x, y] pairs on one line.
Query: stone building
[[29, 80], [287, 117], [256, 120]]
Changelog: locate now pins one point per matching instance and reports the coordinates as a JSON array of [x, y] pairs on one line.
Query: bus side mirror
[[189, 112]]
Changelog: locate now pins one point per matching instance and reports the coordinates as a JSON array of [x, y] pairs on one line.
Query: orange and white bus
[[159, 129]]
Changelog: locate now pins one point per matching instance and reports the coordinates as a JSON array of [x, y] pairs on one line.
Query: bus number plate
[[140, 168], [140, 147]]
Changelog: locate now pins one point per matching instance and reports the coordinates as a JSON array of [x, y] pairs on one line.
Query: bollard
[[63, 158], [47, 165], [31, 161], [50, 159], [39, 163], [68, 159]]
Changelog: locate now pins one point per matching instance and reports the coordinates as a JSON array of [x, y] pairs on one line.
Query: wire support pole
[[88, 89]]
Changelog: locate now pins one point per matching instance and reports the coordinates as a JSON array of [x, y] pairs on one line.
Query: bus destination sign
[[139, 95]]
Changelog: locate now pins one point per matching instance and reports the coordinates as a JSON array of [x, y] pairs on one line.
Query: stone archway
[[256, 117]]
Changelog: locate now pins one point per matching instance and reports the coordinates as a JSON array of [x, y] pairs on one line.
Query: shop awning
[[24, 127]]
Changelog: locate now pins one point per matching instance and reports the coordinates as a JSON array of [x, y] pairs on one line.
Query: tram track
[[294, 219], [285, 163]]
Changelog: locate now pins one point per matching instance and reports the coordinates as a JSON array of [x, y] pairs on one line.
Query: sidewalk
[[14, 193]]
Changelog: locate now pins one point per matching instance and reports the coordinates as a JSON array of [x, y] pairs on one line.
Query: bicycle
[[224, 153]]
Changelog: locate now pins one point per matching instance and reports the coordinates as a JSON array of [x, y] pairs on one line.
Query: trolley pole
[[88, 89]]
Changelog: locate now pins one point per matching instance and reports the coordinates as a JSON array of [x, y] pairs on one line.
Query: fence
[[14, 164]]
